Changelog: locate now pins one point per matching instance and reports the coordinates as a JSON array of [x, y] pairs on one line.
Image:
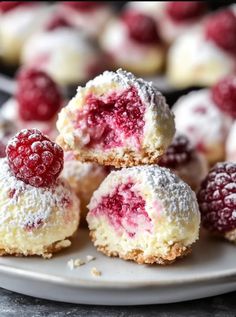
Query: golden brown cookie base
[[231, 236], [128, 159], [45, 252], [176, 251]]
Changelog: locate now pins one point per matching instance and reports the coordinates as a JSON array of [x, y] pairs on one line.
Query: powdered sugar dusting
[[178, 200], [146, 90], [199, 118], [34, 205]]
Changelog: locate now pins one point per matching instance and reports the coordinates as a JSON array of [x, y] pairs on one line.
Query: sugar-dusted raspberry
[[6, 6], [37, 95], [217, 198], [185, 10], [221, 28], [178, 153], [84, 5], [141, 28], [224, 95], [57, 21], [34, 159]]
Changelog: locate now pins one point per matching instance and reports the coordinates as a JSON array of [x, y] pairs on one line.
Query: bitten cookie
[[116, 119], [145, 214]]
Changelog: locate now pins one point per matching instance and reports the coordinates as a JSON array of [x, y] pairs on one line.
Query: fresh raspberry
[[34, 159], [224, 95], [217, 198], [57, 21], [221, 28], [141, 27], [185, 10], [38, 96], [178, 153], [83, 5], [6, 6]]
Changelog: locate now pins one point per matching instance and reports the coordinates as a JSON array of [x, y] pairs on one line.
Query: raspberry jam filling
[[110, 119], [125, 210]]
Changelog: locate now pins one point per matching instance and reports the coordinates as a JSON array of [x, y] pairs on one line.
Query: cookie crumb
[[90, 258], [75, 263], [78, 262], [70, 263], [95, 272]]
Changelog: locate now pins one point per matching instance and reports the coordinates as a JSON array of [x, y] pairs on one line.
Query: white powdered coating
[[17, 25], [231, 144], [38, 203], [197, 116], [68, 54], [194, 60], [158, 184]]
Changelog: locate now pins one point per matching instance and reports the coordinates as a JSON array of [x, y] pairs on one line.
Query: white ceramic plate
[[210, 270]]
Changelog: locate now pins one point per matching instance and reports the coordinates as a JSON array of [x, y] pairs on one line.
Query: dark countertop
[[12, 304]]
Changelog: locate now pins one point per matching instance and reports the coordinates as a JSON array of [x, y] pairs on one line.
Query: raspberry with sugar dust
[[38, 96], [141, 27], [221, 28], [185, 10], [34, 159], [224, 95], [217, 198], [178, 153]]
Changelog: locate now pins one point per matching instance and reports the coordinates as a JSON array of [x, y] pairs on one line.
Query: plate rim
[[229, 276]]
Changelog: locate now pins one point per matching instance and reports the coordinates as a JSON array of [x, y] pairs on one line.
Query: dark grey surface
[[12, 304]]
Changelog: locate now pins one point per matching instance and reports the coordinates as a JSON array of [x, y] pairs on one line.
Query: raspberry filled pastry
[[201, 120], [132, 42], [183, 159], [145, 214], [68, 64], [217, 201], [84, 179], [39, 211], [207, 52], [19, 20], [116, 119]]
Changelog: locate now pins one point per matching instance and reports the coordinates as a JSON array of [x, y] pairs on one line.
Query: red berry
[[178, 153], [34, 159], [83, 5], [224, 95], [141, 27], [6, 6], [185, 10], [38, 96], [57, 21], [221, 28], [217, 198]]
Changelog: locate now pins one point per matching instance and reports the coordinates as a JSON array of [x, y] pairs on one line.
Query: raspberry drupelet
[[217, 200], [185, 10], [34, 159]]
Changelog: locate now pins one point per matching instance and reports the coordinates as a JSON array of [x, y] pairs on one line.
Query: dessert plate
[[210, 270]]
